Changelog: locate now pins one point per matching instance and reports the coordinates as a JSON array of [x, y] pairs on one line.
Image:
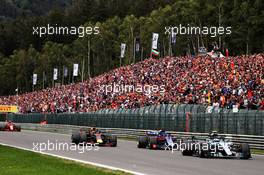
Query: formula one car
[[9, 126], [215, 146], [93, 136], [156, 140]]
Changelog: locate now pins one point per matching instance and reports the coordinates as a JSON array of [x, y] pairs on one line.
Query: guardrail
[[242, 123], [255, 142]]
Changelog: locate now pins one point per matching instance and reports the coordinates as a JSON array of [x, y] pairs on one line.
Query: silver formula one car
[[215, 146]]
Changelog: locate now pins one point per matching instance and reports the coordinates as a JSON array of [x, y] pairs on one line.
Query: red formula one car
[[9, 126]]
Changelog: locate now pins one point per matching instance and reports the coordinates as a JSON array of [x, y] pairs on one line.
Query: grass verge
[[19, 162], [257, 151]]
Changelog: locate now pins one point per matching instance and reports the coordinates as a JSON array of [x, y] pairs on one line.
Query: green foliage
[[16, 8], [24, 54]]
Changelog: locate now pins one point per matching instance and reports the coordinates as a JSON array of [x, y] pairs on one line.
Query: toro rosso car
[[93, 136], [215, 146], [156, 140], [9, 126]]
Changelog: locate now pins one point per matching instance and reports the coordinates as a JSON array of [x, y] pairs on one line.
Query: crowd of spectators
[[220, 82]]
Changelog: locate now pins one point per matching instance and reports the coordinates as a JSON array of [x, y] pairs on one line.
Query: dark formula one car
[[215, 146], [9, 126], [156, 140], [94, 136]]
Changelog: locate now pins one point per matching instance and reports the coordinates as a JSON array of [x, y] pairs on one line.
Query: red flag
[[227, 53]]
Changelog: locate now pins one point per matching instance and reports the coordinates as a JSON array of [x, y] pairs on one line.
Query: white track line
[[76, 160], [49, 132]]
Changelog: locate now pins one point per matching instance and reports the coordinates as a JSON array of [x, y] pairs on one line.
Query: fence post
[[187, 121]]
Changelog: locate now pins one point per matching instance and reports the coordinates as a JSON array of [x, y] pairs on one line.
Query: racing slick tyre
[[245, 150], [113, 140], [18, 128], [152, 142], [2, 126], [76, 138], [189, 149], [201, 153], [83, 137], [204, 153], [142, 142]]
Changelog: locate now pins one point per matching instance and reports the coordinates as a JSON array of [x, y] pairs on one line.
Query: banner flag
[[227, 53], [35, 77], [137, 44], [123, 48], [55, 74], [75, 70], [155, 38]]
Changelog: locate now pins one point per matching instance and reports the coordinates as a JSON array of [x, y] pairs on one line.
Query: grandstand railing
[[180, 118]]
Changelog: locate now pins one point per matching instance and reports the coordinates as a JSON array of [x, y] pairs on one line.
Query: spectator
[[220, 82]]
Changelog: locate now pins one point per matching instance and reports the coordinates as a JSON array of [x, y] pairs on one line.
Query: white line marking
[[260, 155], [76, 160], [26, 130]]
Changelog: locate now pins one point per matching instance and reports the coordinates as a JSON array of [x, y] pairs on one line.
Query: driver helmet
[[214, 134]]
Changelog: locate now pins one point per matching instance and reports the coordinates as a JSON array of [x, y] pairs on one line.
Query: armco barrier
[[256, 142], [242, 123]]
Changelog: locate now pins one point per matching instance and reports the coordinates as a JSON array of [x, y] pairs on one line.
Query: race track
[[127, 156]]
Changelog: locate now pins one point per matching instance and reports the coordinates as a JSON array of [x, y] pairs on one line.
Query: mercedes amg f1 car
[[156, 140], [94, 136], [215, 146], [9, 126]]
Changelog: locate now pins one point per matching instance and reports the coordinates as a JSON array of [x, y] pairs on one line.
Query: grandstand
[[231, 82]]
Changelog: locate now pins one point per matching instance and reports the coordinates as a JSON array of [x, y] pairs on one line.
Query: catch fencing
[[179, 118]]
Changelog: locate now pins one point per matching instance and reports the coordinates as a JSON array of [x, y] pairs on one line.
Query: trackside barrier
[[242, 123], [256, 142]]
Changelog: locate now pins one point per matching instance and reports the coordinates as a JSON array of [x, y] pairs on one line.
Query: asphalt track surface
[[127, 156]]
